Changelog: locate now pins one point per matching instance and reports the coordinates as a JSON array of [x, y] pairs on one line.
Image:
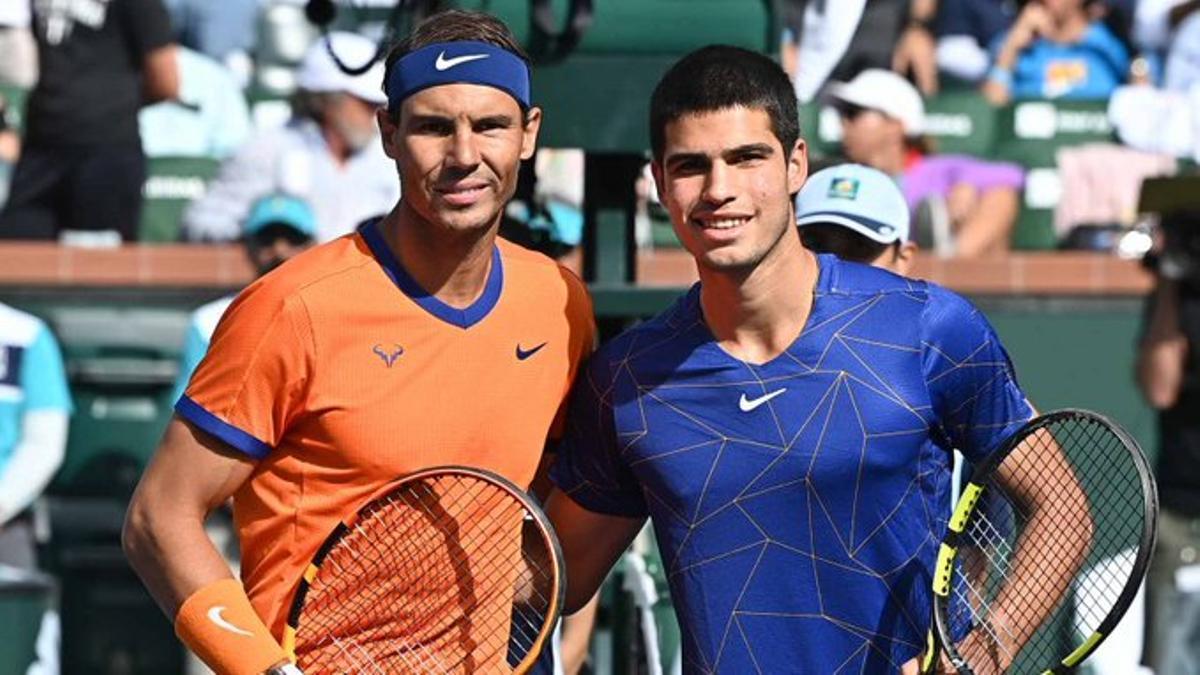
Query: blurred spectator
[[816, 36], [1182, 72], [858, 214], [210, 119], [876, 38], [222, 30], [883, 117], [82, 166], [965, 29], [329, 153], [916, 52], [1156, 23], [277, 228], [10, 148], [1056, 49], [35, 406], [1168, 373], [18, 66]]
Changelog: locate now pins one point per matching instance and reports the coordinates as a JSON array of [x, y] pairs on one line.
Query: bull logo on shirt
[[388, 354]]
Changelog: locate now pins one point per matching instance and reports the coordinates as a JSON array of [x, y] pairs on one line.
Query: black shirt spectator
[[82, 168], [1178, 470]]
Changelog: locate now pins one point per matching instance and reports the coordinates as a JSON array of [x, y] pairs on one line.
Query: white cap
[[857, 197], [887, 92], [320, 73]]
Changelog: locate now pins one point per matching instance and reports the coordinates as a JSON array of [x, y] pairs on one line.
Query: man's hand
[[1033, 22]]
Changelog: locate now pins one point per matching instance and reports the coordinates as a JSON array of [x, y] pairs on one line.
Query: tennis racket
[[1045, 550], [449, 570]]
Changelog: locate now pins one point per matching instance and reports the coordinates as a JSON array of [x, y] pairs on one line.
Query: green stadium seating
[[961, 122], [1030, 133], [15, 97], [171, 183], [121, 362]]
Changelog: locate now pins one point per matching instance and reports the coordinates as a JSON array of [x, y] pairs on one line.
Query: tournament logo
[[843, 188], [388, 354]]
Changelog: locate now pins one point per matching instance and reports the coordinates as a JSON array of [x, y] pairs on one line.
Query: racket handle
[[284, 668]]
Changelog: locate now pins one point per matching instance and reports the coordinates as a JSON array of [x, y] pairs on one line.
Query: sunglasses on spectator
[[850, 111]]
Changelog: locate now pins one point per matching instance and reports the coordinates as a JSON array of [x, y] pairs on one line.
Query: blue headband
[[458, 62]]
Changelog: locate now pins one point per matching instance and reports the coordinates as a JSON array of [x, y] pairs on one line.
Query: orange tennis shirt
[[339, 374]]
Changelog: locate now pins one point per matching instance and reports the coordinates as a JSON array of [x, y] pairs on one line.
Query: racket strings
[[1002, 615], [444, 575]]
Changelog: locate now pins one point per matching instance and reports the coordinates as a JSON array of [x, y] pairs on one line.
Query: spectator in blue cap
[[858, 214]]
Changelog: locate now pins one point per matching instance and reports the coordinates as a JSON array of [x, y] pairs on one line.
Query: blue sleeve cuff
[[210, 423]]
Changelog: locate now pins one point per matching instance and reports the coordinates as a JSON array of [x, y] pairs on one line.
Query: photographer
[[1168, 373]]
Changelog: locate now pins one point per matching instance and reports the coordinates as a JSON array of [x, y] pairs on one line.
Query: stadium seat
[[961, 122], [15, 98], [1030, 133], [121, 362], [171, 183]]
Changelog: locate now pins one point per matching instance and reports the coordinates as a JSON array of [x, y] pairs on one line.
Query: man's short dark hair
[[843, 242], [453, 25], [721, 77]]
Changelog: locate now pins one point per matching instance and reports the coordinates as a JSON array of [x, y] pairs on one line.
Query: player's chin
[[477, 217]]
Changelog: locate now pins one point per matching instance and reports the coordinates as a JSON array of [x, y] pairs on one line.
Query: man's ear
[[797, 166], [387, 132], [905, 257], [533, 124]]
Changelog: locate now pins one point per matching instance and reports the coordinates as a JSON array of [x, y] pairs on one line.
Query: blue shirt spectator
[[1089, 69], [210, 119], [1056, 50], [35, 406], [215, 28]]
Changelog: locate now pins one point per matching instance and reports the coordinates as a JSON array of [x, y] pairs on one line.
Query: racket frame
[[557, 596], [973, 489]]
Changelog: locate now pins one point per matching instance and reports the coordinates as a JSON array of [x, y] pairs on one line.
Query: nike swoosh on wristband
[[747, 404], [443, 63], [214, 615]]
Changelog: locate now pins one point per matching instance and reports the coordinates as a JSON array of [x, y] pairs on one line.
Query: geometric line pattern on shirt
[[845, 385]]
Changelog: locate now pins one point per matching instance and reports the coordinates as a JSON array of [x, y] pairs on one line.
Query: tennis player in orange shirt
[[419, 340]]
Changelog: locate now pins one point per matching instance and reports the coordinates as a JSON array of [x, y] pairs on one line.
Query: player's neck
[[451, 266], [757, 315]]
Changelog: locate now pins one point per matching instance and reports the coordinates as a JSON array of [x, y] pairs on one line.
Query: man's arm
[[34, 460], [591, 544], [191, 474], [916, 50], [577, 636], [1048, 492], [1163, 349], [986, 229], [160, 75]]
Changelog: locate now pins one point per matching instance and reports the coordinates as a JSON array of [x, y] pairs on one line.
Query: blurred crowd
[[164, 120]]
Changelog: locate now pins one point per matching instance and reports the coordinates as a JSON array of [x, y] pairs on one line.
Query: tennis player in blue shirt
[[787, 424]]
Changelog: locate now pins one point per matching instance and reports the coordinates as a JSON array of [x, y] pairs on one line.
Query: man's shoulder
[[847, 278], [333, 262], [651, 341], [18, 328], [536, 270]]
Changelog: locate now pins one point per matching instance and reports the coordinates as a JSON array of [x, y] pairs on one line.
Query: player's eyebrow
[[759, 149], [728, 154]]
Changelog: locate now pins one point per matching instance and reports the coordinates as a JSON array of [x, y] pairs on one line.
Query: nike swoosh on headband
[[443, 63]]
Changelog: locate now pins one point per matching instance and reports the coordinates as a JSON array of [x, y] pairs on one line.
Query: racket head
[[450, 569], [1120, 526]]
